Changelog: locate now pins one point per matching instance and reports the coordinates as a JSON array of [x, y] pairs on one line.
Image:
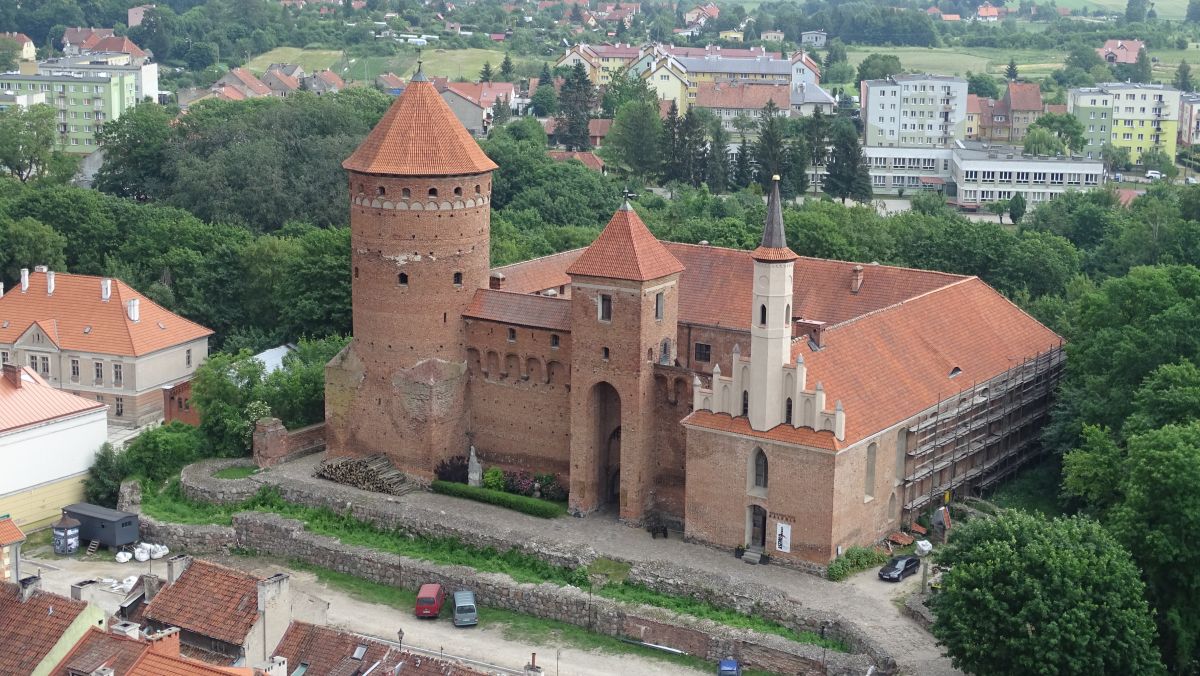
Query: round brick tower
[[420, 189]]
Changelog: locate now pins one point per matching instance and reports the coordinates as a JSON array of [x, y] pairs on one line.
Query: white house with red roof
[[27, 51], [100, 339], [50, 437]]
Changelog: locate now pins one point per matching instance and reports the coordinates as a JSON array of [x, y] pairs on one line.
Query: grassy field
[[310, 59], [1167, 9], [1031, 63], [452, 63]]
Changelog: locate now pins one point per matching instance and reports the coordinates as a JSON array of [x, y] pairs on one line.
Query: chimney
[[124, 628], [151, 586], [496, 281], [24, 280], [176, 565], [78, 589], [856, 284], [49, 282], [165, 642], [813, 329], [29, 585], [1, 289], [12, 373], [274, 610], [105, 289], [103, 671], [132, 309]]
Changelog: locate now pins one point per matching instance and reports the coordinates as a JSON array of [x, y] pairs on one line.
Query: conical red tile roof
[[419, 136], [626, 250]]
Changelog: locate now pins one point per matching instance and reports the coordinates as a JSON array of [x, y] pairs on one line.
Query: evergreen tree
[[1183, 77], [1016, 208], [575, 110], [815, 130], [506, 68], [837, 52], [1193, 10], [1011, 71], [576, 14], [672, 166], [717, 169], [501, 112], [795, 177], [545, 76], [1135, 11], [486, 74], [693, 148], [544, 100], [770, 151], [743, 168], [1141, 70], [847, 168], [633, 142]]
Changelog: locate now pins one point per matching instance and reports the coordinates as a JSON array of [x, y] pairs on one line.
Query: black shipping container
[[111, 527]]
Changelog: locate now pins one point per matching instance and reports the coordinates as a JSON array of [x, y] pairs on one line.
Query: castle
[[792, 405]]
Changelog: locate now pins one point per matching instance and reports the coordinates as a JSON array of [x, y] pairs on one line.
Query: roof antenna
[[419, 76]]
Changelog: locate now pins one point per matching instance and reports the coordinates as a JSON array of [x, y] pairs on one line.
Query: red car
[[429, 600]]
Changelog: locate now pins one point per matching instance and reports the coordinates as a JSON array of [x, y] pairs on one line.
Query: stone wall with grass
[[199, 483]]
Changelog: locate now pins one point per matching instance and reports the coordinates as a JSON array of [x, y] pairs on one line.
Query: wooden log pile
[[372, 473]]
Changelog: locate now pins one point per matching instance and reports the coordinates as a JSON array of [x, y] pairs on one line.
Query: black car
[[899, 568]]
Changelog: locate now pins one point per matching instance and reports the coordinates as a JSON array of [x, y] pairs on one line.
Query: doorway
[[758, 527], [606, 407]]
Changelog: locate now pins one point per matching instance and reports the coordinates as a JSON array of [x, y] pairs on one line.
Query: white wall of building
[[51, 451]]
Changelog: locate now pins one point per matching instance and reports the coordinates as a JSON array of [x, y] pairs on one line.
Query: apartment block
[[144, 71], [1189, 119], [914, 111], [1129, 115], [84, 100]]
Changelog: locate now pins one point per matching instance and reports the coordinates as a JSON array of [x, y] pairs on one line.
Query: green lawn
[[1033, 489], [310, 59], [452, 63], [1167, 9], [1032, 63], [235, 472]]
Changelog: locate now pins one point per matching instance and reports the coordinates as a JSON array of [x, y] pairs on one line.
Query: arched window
[[892, 506], [477, 189], [901, 453], [760, 468], [787, 411], [433, 192], [458, 279], [869, 481], [787, 315], [360, 188], [458, 191], [380, 191], [405, 193], [745, 402], [403, 278], [762, 315]]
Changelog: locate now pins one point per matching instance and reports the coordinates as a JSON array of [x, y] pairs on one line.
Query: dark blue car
[[729, 667]]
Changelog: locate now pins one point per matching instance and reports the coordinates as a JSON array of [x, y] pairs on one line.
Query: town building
[[701, 14], [280, 83], [1006, 120], [588, 159], [243, 81], [597, 131], [473, 103], [39, 628], [987, 13], [11, 539], [813, 39], [1120, 51], [77, 39], [101, 64], [732, 36], [772, 36], [136, 15], [602, 62], [797, 405], [1129, 115], [10, 99], [84, 100], [740, 104], [100, 339], [124, 651], [53, 436], [1189, 119], [25, 48], [324, 82], [914, 111]]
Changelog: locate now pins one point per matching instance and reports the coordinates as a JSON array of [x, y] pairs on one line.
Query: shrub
[[520, 483], [520, 503], [493, 479], [103, 482], [452, 469], [551, 489], [853, 560]]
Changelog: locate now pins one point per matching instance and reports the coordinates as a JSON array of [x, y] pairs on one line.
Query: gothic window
[[787, 315], [787, 411], [869, 482], [760, 468], [605, 307], [458, 279], [762, 315], [554, 339], [405, 193], [403, 279], [745, 402], [659, 305], [458, 191]]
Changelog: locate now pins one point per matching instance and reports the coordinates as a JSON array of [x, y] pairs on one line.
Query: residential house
[[123, 651], [230, 615], [84, 99], [390, 84], [701, 14], [597, 131], [951, 17], [771, 36], [452, 27], [914, 111], [1121, 51], [324, 650], [243, 81], [602, 62], [280, 83], [9, 99], [26, 51], [324, 82], [669, 80], [1025, 106], [588, 159], [100, 339], [814, 39], [473, 102], [11, 539], [136, 15], [117, 44], [53, 436], [1129, 115], [739, 105], [77, 39], [974, 112], [732, 36], [38, 627], [987, 12]]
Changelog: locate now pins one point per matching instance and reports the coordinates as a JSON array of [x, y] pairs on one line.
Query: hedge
[[521, 503], [853, 560]]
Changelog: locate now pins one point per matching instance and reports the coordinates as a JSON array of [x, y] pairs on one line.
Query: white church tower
[[771, 323]]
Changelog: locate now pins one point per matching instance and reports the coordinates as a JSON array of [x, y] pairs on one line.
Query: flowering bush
[[494, 479]]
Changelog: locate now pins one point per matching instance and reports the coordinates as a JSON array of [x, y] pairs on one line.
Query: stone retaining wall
[[917, 608], [199, 484], [273, 444], [191, 538]]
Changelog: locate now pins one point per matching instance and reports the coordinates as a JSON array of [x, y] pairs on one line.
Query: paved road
[[481, 644]]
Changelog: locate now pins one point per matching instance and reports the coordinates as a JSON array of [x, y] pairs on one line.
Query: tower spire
[[774, 243]]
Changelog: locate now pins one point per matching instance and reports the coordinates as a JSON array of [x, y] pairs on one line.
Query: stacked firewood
[[372, 473]]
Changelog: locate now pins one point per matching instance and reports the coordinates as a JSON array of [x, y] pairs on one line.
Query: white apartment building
[[914, 111], [1189, 119]]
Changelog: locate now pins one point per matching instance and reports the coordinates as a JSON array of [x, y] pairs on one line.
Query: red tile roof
[[329, 652], [157, 664], [540, 274], [119, 44], [20, 38], [10, 533], [987, 10], [210, 600], [99, 649], [1121, 51], [597, 128], [802, 436], [286, 82], [742, 95], [590, 160], [522, 309], [247, 80], [79, 36], [625, 249], [419, 136], [1060, 108], [974, 105], [331, 78], [229, 93], [1126, 196], [483, 94], [1025, 96], [36, 402], [30, 630], [391, 81], [85, 322]]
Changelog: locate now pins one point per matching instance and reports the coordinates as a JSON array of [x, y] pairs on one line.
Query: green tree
[[623, 88], [27, 141], [9, 51], [1065, 126], [982, 85], [501, 111], [848, 174], [998, 207], [224, 390], [1025, 595], [879, 66], [544, 100], [1135, 11], [1116, 158], [1183, 77], [1042, 141], [103, 482], [1016, 208], [1142, 70], [486, 74], [506, 69], [296, 392], [633, 142], [134, 152], [575, 109], [1193, 10], [718, 172], [26, 243], [201, 55], [1158, 159], [743, 167], [1010, 72], [836, 52], [770, 150]]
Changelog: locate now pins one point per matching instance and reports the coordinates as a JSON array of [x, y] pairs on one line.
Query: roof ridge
[[898, 304], [523, 294], [539, 258]]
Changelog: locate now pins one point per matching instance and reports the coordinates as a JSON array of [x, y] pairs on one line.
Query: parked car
[[899, 568], [465, 613], [1154, 174], [1191, 180], [429, 600], [729, 667]]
